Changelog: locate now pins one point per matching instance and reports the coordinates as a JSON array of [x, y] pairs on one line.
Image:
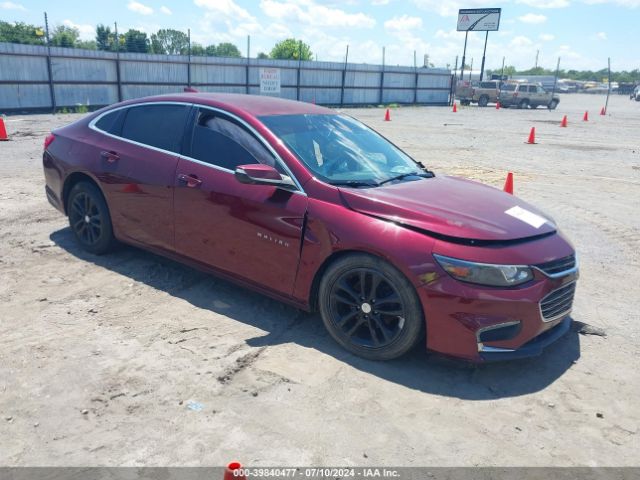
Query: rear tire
[[483, 101], [523, 104], [89, 218], [370, 308]]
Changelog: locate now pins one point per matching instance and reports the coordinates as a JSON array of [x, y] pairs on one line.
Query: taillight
[[49, 140]]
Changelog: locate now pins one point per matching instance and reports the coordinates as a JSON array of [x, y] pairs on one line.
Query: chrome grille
[[557, 303], [558, 266]]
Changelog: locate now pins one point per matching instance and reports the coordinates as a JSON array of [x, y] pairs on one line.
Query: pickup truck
[[481, 93], [527, 95]]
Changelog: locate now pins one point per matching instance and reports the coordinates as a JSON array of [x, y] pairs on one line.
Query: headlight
[[485, 273]]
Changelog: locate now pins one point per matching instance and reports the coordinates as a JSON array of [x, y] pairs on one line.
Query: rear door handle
[[110, 157], [190, 180]]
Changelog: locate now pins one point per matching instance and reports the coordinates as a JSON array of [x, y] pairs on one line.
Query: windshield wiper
[[355, 183], [425, 174]]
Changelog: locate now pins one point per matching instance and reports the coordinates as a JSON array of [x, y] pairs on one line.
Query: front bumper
[[481, 324], [533, 348]]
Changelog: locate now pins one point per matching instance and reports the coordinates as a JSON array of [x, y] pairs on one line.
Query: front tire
[[483, 101], [370, 308], [89, 218], [523, 104]]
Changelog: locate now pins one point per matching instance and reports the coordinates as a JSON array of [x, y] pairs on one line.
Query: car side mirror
[[260, 174]]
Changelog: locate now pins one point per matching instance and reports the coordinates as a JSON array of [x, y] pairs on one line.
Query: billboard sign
[[479, 19], [269, 81]]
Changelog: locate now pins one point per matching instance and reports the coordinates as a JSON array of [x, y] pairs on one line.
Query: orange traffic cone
[[234, 472], [387, 116], [603, 111], [508, 183], [532, 136], [586, 116], [3, 131], [455, 107], [497, 105], [563, 123]]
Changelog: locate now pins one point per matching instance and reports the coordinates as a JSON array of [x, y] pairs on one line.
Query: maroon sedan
[[316, 209]]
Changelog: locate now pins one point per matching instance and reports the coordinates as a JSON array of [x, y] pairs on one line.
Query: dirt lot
[[107, 360]]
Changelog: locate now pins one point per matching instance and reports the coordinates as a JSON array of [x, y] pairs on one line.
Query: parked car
[[636, 94], [527, 95], [481, 93], [316, 209]]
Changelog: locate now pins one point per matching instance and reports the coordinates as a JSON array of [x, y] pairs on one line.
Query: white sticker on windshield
[[526, 216]]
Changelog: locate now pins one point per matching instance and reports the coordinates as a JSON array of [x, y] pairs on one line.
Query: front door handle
[[191, 181], [110, 157]]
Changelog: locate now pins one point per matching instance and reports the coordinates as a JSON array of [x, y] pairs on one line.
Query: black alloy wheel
[[89, 218], [370, 308]]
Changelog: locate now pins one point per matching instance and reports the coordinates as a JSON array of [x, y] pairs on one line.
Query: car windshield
[[342, 151]]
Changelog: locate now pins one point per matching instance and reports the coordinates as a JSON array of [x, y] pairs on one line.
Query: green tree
[[105, 38], [20, 32], [169, 42], [197, 50], [262, 55], [211, 51], [136, 41], [64, 36], [228, 50], [87, 44], [291, 49]]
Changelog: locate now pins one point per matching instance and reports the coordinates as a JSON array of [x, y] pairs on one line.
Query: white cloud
[[403, 23], [139, 8], [450, 35], [11, 6], [622, 3], [521, 41], [532, 18], [546, 3], [87, 32], [309, 12], [546, 37], [448, 9], [227, 8], [601, 35], [166, 10], [380, 2]]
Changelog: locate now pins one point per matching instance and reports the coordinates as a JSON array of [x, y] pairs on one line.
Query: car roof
[[255, 105]]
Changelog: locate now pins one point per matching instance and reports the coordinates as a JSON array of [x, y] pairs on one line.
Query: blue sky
[[582, 32]]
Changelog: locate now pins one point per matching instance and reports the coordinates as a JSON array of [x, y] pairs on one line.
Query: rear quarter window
[[160, 126], [111, 122]]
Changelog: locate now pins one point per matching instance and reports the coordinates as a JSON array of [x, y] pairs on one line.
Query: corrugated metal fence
[[38, 78]]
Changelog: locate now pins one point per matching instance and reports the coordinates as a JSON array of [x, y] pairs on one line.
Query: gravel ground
[[131, 359]]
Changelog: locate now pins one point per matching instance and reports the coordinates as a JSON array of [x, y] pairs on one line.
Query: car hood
[[451, 207]]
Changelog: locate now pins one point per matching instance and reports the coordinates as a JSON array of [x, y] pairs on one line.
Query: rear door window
[[509, 87], [161, 126], [220, 141]]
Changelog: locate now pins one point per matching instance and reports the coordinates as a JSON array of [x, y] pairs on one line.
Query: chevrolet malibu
[[314, 208]]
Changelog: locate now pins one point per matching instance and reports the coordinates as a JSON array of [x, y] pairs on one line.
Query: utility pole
[[537, 54], [118, 62], [49, 69]]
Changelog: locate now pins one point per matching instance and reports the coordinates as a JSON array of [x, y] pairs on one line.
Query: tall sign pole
[[484, 53], [464, 53], [477, 20]]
